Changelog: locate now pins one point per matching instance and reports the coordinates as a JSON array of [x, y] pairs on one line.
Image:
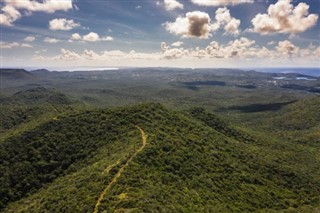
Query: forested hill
[[15, 74], [36, 96], [189, 164], [30, 105]]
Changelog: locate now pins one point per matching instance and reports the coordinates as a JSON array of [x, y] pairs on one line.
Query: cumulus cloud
[[10, 11], [29, 39], [198, 24], [107, 38], [10, 45], [9, 15], [194, 25], [62, 24], [26, 45], [48, 6], [224, 18], [91, 37], [238, 48], [287, 48], [68, 55], [177, 44], [76, 37], [51, 40], [243, 50], [283, 17], [6, 45], [89, 55], [216, 3], [172, 53], [172, 5], [94, 37]]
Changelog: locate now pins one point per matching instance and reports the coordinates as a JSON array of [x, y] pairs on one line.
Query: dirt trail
[[116, 177]]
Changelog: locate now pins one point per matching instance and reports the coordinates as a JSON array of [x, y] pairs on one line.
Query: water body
[[303, 71]]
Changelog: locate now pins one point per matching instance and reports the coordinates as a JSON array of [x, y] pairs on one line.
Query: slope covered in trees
[[30, 105], [190, 163]]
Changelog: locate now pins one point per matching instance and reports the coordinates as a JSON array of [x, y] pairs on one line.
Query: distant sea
[[304, 71]]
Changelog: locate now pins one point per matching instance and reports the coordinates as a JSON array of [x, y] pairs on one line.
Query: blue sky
[[175, 33]]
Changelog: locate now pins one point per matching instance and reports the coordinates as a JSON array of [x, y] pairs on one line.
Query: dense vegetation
[[221, 140], [39, 156], [31, 104], [186, 166]]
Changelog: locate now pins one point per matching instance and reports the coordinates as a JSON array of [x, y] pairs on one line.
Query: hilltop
[[38, 95], [189, 163], [15, 74]]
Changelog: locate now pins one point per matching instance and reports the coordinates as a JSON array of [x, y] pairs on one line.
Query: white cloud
[[89, 55], [242, 50], [195, 24], [239, 48], [287, 48], [51, 40], [94, 37], [10, 10], [283, 17], [76, 37], [29, 39], [107, 38], [172, 5], [10, 45], [224, 18], [91, 37], [68, 55], [216, 3], [177, 44], [5, 45], [26, 45], [48, 6], [138, 7], [9, 15], [198, 24], [62, 24]]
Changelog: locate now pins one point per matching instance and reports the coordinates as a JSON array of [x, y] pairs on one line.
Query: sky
[[159, 33]]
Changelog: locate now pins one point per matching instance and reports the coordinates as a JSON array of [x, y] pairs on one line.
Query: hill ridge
[[118, 174]]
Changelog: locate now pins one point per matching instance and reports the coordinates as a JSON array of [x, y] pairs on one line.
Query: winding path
[[116, 177]]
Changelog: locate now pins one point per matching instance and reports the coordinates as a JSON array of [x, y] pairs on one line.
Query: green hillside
[[38, 95], [298, 121], [192, 162], [30, 105], [15, 74]]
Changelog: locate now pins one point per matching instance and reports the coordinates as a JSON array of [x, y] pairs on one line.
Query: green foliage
[[34, 158], [258, 153], [189, 164], [215, 122], [38, 95]]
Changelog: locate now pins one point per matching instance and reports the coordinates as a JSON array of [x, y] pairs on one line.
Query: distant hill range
[[16, 74], [39, 95], [31, 104], [40, 71]]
